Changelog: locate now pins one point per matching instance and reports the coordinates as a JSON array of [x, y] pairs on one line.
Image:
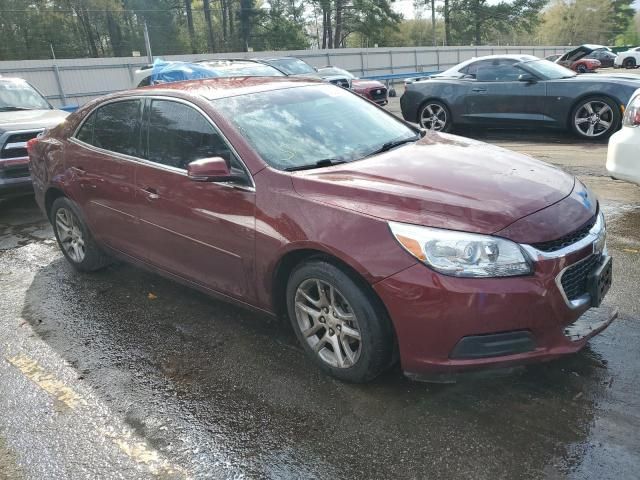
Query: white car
[[628, 59], [623, 156]]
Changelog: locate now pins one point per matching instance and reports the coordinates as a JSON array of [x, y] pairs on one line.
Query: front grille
[[574, 279], [15, 146], [567, 240], [378, 94], [17, 171]]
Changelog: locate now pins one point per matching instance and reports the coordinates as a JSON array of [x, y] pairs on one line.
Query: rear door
[[200, 231], [101, 158], [497, 97]]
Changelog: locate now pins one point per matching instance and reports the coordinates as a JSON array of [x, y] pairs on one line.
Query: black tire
[[629, 63], [582, 69], [94, 258], [614, 118], [376, 344], [434, 105]]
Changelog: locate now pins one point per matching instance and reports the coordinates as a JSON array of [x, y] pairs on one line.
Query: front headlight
[[462, 254]]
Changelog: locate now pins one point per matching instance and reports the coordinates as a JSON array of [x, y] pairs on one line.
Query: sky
[[406, 7]]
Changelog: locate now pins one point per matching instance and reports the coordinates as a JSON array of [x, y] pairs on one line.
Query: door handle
[[479, 90], [151, 193]]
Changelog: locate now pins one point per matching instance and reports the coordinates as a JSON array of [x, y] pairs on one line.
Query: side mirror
[[527, 77], [214, 169]]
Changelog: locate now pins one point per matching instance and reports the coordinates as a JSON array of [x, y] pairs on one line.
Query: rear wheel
[[582, 68], [74, 238], [338, 323], [595, 118], [435, 115], [629, 63]]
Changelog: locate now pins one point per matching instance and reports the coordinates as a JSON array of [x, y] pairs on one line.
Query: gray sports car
[[519, 91]]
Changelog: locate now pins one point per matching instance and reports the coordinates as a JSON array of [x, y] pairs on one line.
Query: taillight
[[31, 144], [632, 114]]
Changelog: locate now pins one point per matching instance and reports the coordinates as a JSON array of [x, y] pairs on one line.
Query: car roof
[[214, 88]]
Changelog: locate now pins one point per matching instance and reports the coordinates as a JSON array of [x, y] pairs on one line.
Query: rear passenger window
[[178, 135], [114, 127]]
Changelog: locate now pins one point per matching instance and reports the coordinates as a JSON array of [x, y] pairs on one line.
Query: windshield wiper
[[396, 143], [327, 162], [13, 109]]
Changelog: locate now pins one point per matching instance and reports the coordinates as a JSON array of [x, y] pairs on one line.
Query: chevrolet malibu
[[299, 198]]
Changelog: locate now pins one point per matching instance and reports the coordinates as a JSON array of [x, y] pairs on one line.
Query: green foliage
[[603, 22]]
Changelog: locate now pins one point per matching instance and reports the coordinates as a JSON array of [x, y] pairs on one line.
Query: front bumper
[[15, 178], [440, 320], [623, 161]]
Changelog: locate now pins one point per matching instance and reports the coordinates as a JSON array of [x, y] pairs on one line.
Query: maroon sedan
[[300, 198]]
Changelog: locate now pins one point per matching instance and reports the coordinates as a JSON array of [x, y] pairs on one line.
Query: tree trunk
[[324, 28], [190, 27], [329, 30], [447, 24], [246, 7], [338, 30], [477, 20], [83, 15], [223, 13], [207, 17]]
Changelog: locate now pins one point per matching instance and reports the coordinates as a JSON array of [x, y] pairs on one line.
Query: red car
[[578, 61], [371, 89], [296, 197]]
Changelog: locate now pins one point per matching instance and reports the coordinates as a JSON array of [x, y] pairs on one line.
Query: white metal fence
[[76, 81]]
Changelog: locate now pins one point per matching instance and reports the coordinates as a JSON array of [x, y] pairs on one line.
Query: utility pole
[[147, 43]]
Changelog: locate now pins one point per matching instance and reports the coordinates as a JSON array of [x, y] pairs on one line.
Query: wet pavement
[[123, 374]]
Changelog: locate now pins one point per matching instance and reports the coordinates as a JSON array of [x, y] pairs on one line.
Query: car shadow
[[158, 353]]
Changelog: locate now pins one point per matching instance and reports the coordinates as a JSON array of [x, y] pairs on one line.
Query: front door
[[101, 158], [200, 231], [497, 96]]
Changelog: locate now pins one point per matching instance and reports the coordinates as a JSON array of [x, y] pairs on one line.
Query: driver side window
[[498, 71], [178, 135]]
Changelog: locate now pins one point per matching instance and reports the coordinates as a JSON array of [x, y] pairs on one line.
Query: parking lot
[[123, 374]]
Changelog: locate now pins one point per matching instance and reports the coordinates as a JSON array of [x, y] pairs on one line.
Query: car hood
[[30, 119], [357, 83], [629, 80], [579, 52], [441, 181]]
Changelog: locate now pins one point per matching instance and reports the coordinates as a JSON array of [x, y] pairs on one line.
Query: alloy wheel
[[70, 235], [328, 323], [433, 117], [594, 118]]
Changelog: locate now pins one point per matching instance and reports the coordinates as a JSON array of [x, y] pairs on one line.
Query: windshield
[[548, 70], [19, 95], [292, 66], [301, 126]]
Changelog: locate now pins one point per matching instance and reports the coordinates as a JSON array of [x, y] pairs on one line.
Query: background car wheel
[[341, 327], [74, 237], [595, 118], [435, 115], [582, 69], [629, 63]]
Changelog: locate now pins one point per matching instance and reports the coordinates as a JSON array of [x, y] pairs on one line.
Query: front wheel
[[339, 324], [630, 63], [74, 238], [595, 118], [435, 115], [582, 69]]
